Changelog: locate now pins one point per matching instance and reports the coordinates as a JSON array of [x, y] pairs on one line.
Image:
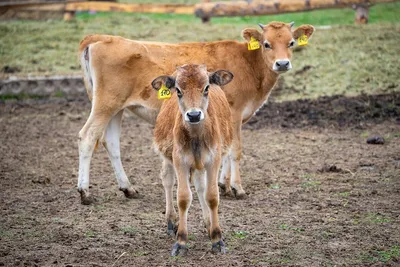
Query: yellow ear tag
[[253, 44], [302, 40], [164, 92]]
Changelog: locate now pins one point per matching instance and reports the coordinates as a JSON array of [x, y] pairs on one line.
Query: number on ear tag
[[164, 92], [302, 40], [253, 44]]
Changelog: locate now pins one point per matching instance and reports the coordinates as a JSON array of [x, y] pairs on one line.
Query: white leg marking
[[112, 145], [200, 185], [168, 181], [234, 172], [85, 155], [226, 165]]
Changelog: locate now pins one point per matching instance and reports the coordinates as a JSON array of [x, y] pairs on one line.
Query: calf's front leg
[[184, 199], [212, 199]]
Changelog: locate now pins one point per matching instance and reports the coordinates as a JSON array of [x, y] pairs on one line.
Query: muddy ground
[[318, 194]]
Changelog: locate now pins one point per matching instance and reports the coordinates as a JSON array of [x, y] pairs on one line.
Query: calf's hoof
[[225, 191], [172, 228], [86, 198], [239, 193], [218, 247], [179, 250], [130, 192]]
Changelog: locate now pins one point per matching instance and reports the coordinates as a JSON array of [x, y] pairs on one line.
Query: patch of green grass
[[19, 96], [344, 194], [376, 218], [285, 226], [5, 233], [378, 13], [285, 260], [387, 255], [240, 234], [129, 230], [309, 181], [139, 253], [99, 207], [382, 255], [274, 186], [191, 237], [175, 258], [306, 176], [90, 234], [59, 94], [364, 134], [310, 184]]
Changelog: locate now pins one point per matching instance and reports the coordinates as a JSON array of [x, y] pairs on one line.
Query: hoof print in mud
[[172, 228], [179, 250], [218, 247], [130, 193]]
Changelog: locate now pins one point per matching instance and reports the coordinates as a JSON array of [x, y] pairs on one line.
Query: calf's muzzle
[[282, 65], [194, 116]]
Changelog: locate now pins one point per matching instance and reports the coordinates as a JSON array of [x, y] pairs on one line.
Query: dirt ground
[[318, 194]]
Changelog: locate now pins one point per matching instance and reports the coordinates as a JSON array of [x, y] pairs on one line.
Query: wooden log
[[139, 8], [70, 6], [259, 7]]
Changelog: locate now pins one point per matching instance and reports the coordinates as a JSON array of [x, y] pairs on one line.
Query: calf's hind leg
[[89, 137], [236, 153], [225, 177], [111, 142], [200, 185], [168, 181]]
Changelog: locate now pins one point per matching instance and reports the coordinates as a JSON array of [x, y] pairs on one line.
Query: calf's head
[[192, 83], [277, 40]]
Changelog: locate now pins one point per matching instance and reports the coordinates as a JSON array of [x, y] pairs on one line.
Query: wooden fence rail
[[204, 10], [267, 7]]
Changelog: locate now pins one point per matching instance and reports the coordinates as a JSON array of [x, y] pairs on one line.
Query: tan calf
[[192, 133], [118, 74]]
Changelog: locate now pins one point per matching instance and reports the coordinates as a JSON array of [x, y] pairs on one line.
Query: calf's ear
[[248, 33], [221, 77], [169, 82], [305, 29]]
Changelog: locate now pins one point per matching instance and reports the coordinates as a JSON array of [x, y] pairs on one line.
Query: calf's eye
[[206, 90], [267, 45], [178, 93], [291, 44]]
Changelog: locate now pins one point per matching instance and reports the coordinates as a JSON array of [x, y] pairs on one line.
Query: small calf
[[193, 132]]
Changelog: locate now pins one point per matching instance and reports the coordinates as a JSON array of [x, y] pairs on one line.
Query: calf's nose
[[282, 65], [194, 116]]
